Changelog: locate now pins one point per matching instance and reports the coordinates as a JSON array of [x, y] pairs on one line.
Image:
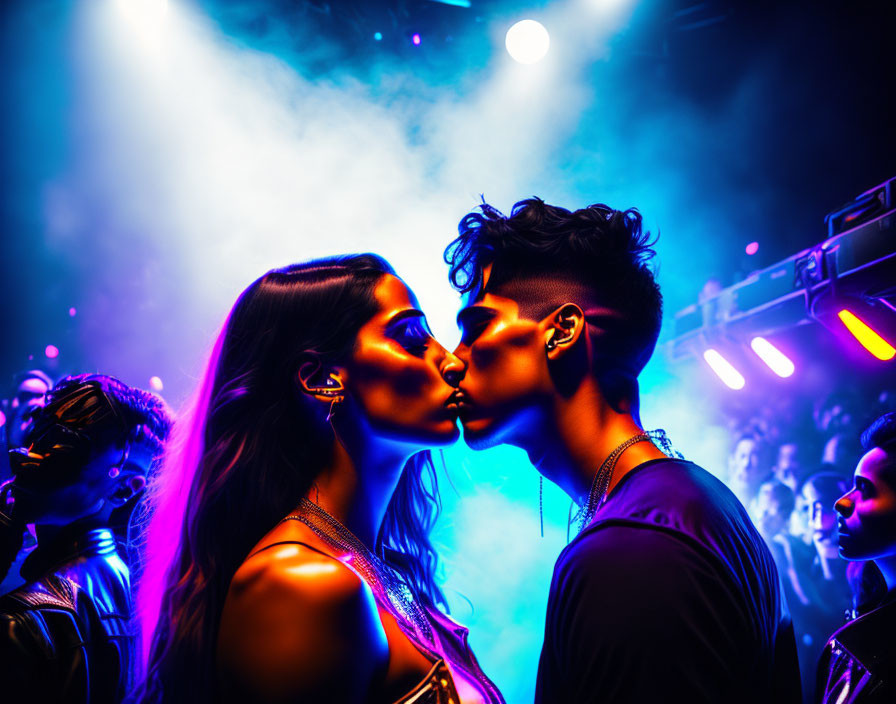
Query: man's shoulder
[[627, 553], [677, 496], [665, 516], [50, 592]]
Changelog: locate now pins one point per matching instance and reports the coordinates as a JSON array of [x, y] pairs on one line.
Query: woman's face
[[396, 372]]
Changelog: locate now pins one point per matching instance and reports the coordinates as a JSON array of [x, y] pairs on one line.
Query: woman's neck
[[356, 491]]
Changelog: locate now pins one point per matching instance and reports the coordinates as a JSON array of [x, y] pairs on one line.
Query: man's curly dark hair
[[543, 256]]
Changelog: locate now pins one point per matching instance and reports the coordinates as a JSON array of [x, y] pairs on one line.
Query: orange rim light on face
[[867, 337], [724, 370]]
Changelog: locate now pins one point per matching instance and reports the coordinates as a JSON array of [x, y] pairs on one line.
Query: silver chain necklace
[[389, 587], [597, 495]]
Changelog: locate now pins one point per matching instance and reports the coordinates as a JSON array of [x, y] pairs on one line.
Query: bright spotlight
[[724, 370], [527, 41], [867, 336], [774, 358], [147, 17], [155, 383]]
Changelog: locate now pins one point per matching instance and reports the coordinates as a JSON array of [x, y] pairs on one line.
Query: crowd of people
[[789, 465], [281, 549]]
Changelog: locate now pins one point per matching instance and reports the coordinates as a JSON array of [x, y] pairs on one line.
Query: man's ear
[[129, 486], [563, 329], [315, 379]]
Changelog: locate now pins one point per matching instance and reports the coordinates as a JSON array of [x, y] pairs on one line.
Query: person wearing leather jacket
[[66, 635], [858, 665]]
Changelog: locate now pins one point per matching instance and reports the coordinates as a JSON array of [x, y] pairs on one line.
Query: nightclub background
[[158, 155]]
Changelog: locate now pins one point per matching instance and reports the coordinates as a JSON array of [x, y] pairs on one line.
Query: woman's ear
[[563, 328], [316, 380]]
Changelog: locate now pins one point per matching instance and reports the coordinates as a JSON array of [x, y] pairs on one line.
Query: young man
[[65, 635], [668, 593], [859, 661]]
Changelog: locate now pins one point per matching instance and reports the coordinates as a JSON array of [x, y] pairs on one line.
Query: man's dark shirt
[[65, 635], [670, 594]]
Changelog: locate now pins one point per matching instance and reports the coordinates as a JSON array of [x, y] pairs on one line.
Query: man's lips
[[460, 402]]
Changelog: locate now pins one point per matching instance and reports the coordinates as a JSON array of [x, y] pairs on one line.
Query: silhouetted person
[[65, 636]]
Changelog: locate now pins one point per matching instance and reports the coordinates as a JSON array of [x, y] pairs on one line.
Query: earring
[[337, 398], [551, 344]]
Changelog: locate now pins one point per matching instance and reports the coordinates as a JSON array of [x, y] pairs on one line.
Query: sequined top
[[455, 677]]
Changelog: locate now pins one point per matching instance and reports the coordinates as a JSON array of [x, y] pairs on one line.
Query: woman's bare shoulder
[[299, 623]]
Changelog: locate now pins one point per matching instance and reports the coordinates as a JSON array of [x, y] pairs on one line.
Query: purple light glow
[[752, 248], [72, 312], [52, 351], [416, 40], [2, 419]]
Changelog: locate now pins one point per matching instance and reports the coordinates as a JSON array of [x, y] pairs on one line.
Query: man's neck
[[581, 433]]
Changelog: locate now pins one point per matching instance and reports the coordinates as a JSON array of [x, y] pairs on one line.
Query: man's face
[[506, 378], [822, 522], [788, 469], [79, 492], [868, 511], [773, 518], [30, 395], [746, 471]]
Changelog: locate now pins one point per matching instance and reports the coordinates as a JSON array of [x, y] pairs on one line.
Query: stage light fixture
[[867, 336], [732, 378], [377, 36], [774, 358], [527, 41]]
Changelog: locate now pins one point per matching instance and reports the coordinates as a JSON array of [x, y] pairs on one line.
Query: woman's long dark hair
[[250, 448]]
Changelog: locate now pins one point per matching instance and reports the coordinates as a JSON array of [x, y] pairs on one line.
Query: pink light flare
[[155, 383], [774, 358], [52, 351], [752, 248], [416, 40], [732, 378], [72, 312]]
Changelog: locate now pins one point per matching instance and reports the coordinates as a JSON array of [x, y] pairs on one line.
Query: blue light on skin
[[377, 36]]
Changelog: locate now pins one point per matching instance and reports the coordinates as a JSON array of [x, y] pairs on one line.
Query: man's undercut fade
[[543, 256]]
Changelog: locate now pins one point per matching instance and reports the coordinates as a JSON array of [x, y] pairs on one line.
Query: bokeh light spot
[[155, 383], [52, 351], [752, 248]]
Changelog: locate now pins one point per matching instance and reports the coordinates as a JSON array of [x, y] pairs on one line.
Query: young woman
[[288, 557]]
